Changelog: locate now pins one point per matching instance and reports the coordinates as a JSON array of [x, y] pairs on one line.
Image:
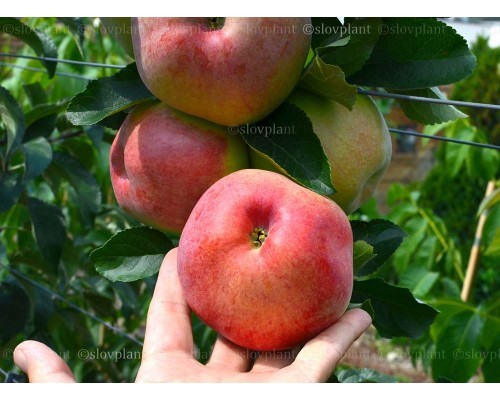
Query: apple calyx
[[216, 23], [258, 236]]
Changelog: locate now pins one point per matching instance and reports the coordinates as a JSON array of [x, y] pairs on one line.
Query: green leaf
[[107, 96], [44, 110], [365, 306], [428, 113], [15, 306], [415, 53], [10, 190], [493, 249], [41, 120], [287, 139], [84, 183], [419, 280], [384, 236], [397, 313], [456, 154], [132, 254], [363, 253], [50, 232], [77, 29], [364, 375], [36, 93], [328, 81], [363, 34], [37, 156], [41, 43], [489, 201], [325, 30], [491, 364], [459, 343], [13, 119]]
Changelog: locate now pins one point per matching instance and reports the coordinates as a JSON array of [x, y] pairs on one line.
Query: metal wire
[[73, 305], [445, 139], [62, 61], [64, 74], [429, 100], [360, 91]]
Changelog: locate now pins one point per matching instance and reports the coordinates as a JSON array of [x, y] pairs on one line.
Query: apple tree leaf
[[363, 34], [86, 187], [13, 120], [40, 42], [132, 254], [15, 306], [364, 375], [107, 96], [428, 113], [325, 31], [384, 236], [49, 227], [328, 81], [363, 253], [459, 342], [416, 53], [77, 28], [397, 312], [37, 157], [286, 138]]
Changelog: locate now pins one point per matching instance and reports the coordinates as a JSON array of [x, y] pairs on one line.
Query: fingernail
[[20, 359]]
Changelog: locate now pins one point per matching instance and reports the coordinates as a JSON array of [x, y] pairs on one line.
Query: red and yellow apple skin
[[162, 161], [273, 292], [230, 71], [357, 144]]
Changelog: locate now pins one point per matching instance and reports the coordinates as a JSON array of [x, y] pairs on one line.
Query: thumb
[[41, 364]]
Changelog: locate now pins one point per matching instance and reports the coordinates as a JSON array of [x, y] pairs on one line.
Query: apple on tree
[[163, 160], [265, 262], [357, 144], [230, 71]]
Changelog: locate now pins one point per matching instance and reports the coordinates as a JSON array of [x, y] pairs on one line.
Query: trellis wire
[[360, 91], [62, 61], [33, 69], [444, 139], [429, 100], [73, 305]]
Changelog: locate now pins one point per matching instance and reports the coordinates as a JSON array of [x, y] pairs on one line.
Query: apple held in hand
[[357, 144], [265, 262], [162, 161], [227, 70]]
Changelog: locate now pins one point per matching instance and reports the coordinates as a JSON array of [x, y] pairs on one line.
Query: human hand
[[168, 353]]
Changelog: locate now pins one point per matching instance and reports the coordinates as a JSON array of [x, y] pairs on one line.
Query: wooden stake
[[470, 275]]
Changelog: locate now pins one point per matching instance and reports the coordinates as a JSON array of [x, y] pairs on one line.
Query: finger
[[270, 361], [41, 363], [319, 356], [228, 355], [168, 327]]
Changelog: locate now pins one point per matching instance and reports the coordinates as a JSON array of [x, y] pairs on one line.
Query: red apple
[[227, 70], [163, 160], [265, 262]]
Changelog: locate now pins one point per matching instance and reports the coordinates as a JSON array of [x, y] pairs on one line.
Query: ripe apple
[[357, 144], [230, 71], [163, 160], [120, 29], [265, 262]]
